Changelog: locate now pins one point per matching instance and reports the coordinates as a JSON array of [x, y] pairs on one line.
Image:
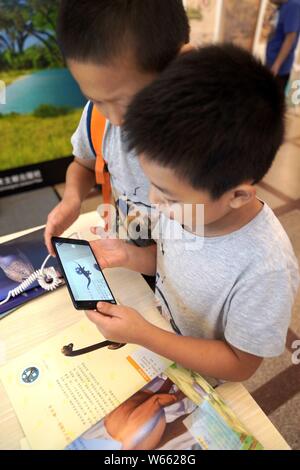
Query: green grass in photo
[[26, 139]]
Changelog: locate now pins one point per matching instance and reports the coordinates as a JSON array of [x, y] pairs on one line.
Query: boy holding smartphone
[[206, 131]]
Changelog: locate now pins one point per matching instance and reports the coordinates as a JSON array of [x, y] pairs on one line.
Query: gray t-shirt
[[129, 183], [239, 287]]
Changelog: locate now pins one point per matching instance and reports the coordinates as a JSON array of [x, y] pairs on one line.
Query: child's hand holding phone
[[121, 324], [110, 253]]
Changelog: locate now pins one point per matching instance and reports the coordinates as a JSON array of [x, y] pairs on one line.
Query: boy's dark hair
[[102, 30], [215, 116]]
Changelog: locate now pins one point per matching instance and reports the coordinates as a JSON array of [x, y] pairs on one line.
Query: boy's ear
[[242, 195], [186, 48]]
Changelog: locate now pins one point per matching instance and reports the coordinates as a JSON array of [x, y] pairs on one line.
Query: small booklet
[[178, 410], [19, 259]]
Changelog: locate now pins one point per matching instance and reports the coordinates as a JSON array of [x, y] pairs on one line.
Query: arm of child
[[80, 179], [212, 358]]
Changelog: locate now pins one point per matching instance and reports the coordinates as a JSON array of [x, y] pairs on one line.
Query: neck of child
[[234, 220]]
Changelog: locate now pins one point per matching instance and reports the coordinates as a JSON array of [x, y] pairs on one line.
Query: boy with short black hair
[[206, 130], [113, 48]]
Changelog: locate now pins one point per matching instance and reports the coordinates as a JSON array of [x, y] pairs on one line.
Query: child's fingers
[[108, 309], [97, 318]]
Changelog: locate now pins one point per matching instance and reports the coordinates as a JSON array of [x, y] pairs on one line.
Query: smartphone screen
[[82, 272]]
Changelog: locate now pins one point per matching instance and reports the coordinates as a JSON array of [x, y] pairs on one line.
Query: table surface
[[46, 316]]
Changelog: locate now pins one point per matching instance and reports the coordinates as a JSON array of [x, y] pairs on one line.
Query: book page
[[57, 398], [178, 410]]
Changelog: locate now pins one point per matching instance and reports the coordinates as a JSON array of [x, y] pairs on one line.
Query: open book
[[178, 410]]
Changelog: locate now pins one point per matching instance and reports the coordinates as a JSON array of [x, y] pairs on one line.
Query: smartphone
[[84, 278]]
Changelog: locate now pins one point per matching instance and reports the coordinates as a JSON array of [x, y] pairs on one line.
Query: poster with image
[[43, 103]]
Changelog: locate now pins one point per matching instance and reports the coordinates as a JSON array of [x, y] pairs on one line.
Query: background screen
[[84, 277], [43, 103]]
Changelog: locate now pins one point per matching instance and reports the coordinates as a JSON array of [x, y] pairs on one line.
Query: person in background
[[283, 39]]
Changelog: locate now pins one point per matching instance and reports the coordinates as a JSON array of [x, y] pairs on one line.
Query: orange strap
[[98, 124]]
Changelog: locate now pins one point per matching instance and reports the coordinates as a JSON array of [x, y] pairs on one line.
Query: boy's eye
[[170, 201]]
